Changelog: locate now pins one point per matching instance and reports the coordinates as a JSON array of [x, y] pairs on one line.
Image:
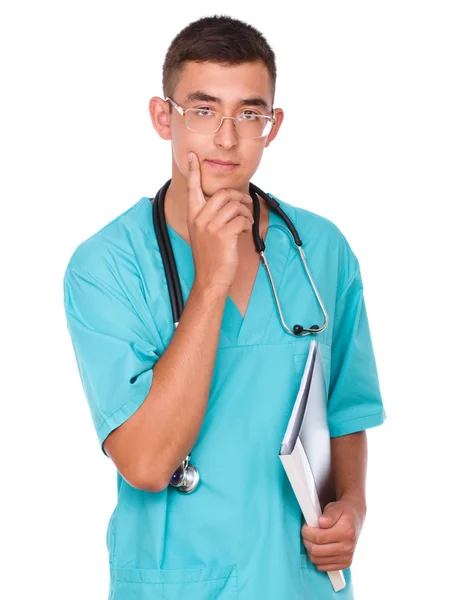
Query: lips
[[220, 167], [221, 162]]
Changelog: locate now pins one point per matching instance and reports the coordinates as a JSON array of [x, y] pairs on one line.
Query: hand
[[214, 227], [331, 546]]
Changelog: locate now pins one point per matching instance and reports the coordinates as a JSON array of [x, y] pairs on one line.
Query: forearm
[[349, 465], [173, 412]]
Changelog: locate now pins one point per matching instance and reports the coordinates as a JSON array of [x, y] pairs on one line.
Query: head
[[221, 64]]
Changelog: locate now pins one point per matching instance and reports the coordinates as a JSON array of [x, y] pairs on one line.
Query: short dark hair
[[221, 39]]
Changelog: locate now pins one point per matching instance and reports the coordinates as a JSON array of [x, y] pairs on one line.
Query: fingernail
[[190, 157]]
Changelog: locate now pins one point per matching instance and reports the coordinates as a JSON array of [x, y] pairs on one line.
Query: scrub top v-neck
[[237, 329], [238, 535]]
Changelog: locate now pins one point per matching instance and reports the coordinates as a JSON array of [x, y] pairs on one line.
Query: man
[[221, 386]]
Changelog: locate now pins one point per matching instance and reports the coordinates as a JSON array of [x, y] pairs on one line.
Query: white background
[[366, 142]]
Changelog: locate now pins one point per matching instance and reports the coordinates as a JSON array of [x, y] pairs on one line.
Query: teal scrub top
[[238, 535]]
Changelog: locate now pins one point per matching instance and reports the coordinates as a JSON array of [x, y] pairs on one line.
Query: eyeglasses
[[248, 124]]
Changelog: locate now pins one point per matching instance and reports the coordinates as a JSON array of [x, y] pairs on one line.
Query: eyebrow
[[204, 97]]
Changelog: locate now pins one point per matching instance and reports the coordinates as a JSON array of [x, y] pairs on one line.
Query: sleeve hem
[[357, 424], [120, 416]]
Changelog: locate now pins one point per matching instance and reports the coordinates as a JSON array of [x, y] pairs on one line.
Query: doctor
[[221, 386]]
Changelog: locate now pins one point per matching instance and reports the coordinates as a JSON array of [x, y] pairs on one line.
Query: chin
[[210, 185]]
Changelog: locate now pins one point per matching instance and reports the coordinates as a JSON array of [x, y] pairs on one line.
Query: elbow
[[131, 466], [146, 481]]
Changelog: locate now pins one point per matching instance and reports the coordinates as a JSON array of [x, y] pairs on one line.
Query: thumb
[[196, 198], [330, 516]]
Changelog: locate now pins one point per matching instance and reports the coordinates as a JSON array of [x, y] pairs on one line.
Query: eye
[[248, 115], [207, 111]]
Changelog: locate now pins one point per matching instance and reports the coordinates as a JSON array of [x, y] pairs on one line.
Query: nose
[[226, 136]]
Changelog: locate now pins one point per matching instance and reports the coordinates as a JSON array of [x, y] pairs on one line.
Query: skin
[[331, 545], [230, 85]]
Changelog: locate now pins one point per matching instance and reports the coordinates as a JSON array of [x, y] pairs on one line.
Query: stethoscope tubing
[[190, 480], [167, 254], [171, 273]]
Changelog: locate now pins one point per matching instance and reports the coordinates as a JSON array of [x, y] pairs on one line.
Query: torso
[[257, 372]]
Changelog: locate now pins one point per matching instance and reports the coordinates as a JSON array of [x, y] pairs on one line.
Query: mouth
[[221, 165]]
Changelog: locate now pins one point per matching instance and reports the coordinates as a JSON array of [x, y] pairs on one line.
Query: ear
[[161, 119], [278, 116]]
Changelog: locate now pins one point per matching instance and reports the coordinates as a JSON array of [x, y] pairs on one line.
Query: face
[[229, 85]]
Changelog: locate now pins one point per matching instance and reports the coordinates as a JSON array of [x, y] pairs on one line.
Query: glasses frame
[[183, 111]]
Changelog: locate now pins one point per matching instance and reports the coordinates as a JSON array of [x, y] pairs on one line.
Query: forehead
[[230, 84]]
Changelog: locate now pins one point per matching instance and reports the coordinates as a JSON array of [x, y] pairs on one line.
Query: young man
[[221, 386]]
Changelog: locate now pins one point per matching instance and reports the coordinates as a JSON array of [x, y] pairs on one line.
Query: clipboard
[[305, 451]]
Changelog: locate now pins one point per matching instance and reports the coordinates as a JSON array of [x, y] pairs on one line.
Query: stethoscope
[[186, 477]]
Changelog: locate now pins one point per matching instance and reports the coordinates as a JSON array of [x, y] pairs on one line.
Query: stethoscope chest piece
[[186, 478]]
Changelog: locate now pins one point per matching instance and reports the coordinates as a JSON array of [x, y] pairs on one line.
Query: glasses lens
[[202, 120], [252, 126], [207, 121]]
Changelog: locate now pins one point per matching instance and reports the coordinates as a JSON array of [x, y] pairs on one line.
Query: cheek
[[179, 136], [182, 144], [257, 149], [251, 153], [252, 157]]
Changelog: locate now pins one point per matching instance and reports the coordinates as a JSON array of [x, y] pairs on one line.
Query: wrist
[[212, 293], [356, 499]]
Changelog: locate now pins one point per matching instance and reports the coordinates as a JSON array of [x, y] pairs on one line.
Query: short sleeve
[[113, 348], [355, 401]]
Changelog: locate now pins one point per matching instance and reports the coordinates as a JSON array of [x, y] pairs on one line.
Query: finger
[[247, 199], [333, 567], [196, 198], [325, 550], [315, 535], [228, 212], [337, 559], [220, 199], [236, 226]]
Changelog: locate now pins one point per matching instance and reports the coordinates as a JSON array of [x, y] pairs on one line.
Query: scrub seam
[[132, 306], [282, 344], [347, 286], [227, 577], [84, 272], [107, 286], [105, 421], [360, 417]]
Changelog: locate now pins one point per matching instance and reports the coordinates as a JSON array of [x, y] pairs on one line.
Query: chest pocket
[[217, 582]]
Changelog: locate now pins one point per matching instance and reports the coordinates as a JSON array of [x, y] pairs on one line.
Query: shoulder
[[321, 235], [310, 222], [113, 243]]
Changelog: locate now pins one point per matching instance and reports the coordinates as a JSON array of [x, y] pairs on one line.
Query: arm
[[156, 439], [354, 405], [153, 442], [349, 464]]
